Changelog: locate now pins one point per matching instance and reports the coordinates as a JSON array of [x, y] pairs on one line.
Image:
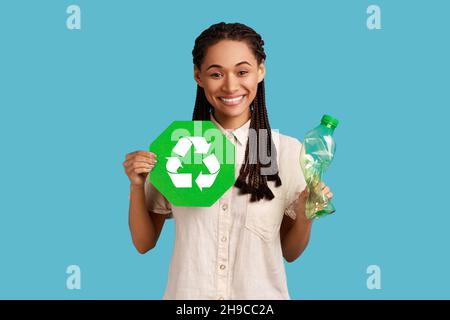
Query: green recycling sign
[[195, 163]]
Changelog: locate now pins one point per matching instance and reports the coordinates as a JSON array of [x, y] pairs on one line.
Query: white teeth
[[232, 100]]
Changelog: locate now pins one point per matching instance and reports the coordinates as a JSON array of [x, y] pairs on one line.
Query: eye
[[215, 75], [243, 73]]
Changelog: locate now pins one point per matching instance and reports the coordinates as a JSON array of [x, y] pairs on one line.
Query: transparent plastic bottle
[[315, 158]]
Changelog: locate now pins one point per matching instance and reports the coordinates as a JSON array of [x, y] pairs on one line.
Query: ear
[[261, 72], [197, 76]]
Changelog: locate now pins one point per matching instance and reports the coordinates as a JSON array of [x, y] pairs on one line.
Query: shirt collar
[[241, 133]]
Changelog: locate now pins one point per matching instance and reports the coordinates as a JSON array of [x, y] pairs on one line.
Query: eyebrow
[[218, 66]]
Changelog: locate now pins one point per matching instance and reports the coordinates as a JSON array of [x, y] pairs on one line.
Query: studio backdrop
[[83, 83]]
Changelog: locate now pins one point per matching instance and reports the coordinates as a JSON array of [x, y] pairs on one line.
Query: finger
[[142, 153], [132, 168], [142, 170], [139, 164], [146, 154], [126, 163], [131, 155], [325, 190], [145, 159], [330, 195]]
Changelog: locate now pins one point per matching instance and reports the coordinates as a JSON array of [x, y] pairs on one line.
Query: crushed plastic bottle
[[315, 157]]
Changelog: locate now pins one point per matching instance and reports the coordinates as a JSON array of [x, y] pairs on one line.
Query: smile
[[233, 101]]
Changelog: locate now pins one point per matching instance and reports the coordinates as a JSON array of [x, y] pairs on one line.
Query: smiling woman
[[233, 249], [230, 84], [229, 70]]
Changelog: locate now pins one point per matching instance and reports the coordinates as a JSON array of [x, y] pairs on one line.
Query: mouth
[[232, 101]]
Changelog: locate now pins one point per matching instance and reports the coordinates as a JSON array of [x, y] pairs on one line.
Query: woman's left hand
[[303, 196], [326, 191]]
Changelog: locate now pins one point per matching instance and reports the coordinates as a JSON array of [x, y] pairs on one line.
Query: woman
[[235, 248]]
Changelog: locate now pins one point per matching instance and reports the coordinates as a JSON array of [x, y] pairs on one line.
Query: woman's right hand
[[138, 165]]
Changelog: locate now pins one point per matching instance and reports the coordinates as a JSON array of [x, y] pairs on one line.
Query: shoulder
[[288, 155], [289, 168], [286, 145]]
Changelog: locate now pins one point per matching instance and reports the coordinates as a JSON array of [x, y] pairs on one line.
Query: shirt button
[[224, 207], [222, 267], [224, 239]]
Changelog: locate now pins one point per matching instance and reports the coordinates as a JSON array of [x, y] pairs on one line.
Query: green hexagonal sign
[[195, 163]]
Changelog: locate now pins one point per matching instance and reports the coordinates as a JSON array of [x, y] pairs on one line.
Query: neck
[[232, 122]]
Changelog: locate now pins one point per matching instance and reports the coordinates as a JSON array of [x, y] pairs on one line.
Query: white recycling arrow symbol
[[184, 180]]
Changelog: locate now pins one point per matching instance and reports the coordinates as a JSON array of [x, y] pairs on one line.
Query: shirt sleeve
[[297, 182], [155, 201]]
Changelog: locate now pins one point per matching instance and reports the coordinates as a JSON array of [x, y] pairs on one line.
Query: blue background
[[74, 102]]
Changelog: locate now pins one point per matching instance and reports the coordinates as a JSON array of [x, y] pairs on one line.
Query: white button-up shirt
[[232, 250]]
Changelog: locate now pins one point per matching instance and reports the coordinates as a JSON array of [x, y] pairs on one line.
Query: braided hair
[[250, 179]]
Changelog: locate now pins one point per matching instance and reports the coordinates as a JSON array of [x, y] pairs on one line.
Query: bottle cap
[[329, 120]]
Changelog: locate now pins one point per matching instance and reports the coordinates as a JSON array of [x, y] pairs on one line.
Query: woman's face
[[230, 75]]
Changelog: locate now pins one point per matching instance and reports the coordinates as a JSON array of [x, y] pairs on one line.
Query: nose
[[230, 84]]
